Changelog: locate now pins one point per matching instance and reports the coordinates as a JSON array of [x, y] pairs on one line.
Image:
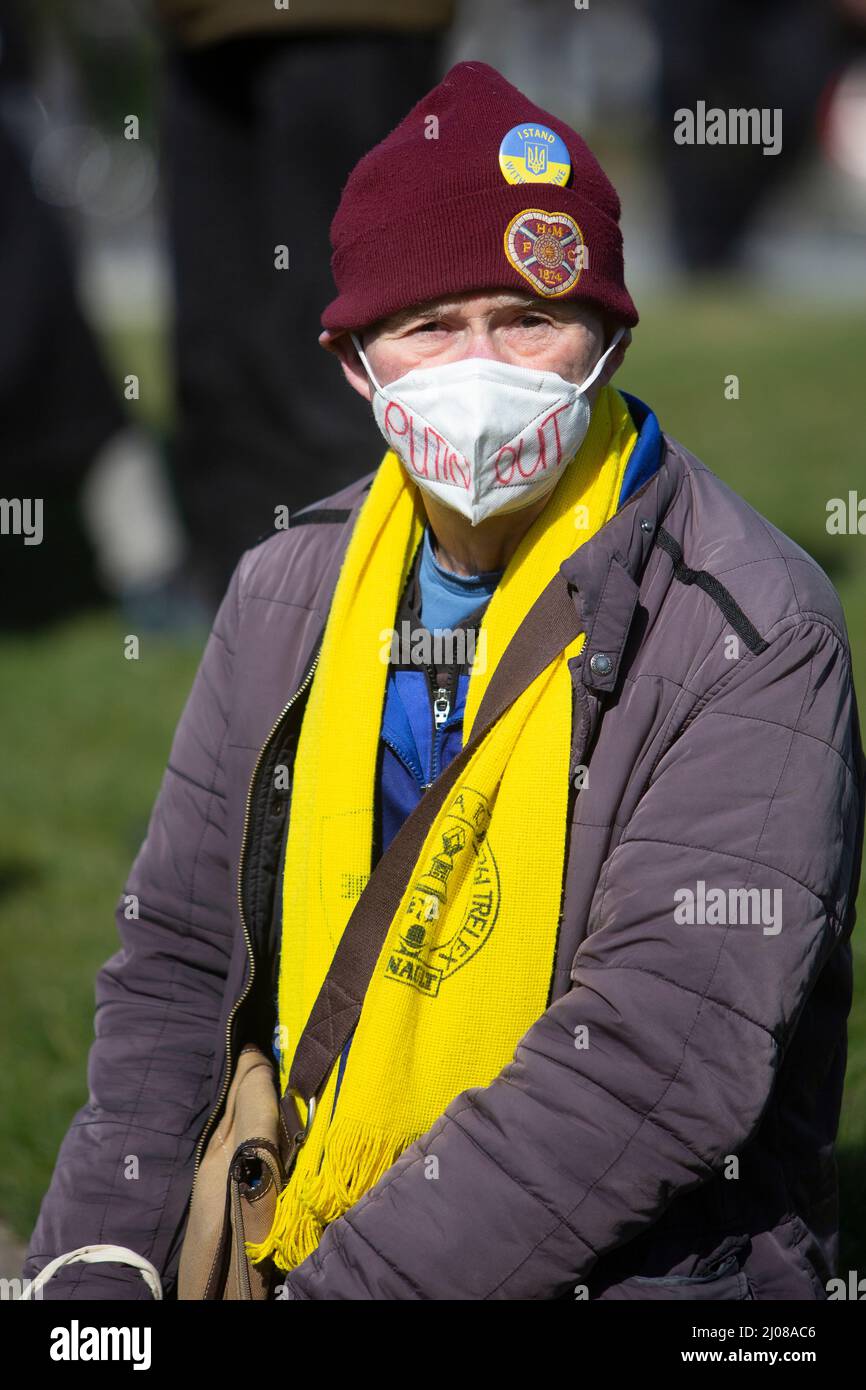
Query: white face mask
[[484, 437]]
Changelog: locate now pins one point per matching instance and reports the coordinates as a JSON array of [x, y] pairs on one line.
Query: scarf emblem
[[464, 860]]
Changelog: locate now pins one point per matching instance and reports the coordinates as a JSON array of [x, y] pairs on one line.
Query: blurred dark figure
[[57, 407], [266, 111], [735, 54]]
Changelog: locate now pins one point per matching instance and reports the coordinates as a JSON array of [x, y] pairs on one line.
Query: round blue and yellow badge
[[534, 154]]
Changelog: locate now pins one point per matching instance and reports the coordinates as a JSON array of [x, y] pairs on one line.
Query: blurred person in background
[[74, 197], [267, 107], [741, 55], [58, 407]]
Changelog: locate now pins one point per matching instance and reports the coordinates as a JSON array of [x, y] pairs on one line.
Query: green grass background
[[86, 733]]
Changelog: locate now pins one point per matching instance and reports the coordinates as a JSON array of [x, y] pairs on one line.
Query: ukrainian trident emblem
[[536, 159]]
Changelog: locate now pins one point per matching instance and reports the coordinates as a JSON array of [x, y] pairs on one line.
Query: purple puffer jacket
[[687, 1151]]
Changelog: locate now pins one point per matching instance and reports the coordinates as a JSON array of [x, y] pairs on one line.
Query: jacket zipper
[[247, 939], [441, 709]]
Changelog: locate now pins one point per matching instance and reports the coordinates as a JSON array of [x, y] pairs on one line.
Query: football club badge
[[547, 249], [534, 154]]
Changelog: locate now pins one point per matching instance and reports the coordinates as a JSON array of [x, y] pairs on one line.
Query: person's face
[[503, 325]]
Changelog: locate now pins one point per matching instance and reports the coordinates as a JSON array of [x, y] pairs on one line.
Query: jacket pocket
[[725, 1282]]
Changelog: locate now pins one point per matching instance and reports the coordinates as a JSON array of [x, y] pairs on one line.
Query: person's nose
[[480, 343]]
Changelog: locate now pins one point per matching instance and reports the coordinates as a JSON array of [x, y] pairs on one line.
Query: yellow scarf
[[466, 965]]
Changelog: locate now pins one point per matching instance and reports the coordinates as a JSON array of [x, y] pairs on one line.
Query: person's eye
[[532, 321], [428, 326]]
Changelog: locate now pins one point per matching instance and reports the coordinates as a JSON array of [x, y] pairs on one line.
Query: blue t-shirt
[[419, 738], [448, 598]]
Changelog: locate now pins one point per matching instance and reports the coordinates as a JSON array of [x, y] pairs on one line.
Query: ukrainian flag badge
[[534, 154]]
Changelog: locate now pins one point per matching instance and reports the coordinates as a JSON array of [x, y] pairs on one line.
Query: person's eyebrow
[[437, 309], [433, 309]]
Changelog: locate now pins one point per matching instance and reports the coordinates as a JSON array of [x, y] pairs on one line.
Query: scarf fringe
[[353, 1161]]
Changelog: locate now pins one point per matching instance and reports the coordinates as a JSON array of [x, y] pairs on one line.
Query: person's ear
[[341, 346], [615, 361]]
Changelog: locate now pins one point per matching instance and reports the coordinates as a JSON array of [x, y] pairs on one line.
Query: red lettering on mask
[[548, 451], [394, 409], [542, 439], [430, 456], [459, 470], [502, 458]]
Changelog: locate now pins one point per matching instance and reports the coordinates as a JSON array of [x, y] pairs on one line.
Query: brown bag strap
[[551, 625]]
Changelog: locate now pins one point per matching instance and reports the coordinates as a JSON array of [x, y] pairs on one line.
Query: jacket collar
[[604, 573], [602, 578]]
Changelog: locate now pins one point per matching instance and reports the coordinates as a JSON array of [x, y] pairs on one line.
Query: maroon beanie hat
[[476, 189]]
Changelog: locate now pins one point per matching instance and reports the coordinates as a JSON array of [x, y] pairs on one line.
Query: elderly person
[[551, 923]]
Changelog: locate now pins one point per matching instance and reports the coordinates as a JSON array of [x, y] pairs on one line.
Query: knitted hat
[[476, 189]]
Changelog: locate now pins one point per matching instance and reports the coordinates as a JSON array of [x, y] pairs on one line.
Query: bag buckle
[[301, 1137], [294, 1134]]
